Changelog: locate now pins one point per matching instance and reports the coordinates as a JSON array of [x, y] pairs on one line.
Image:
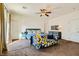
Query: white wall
[[69, 26], [21, 22]]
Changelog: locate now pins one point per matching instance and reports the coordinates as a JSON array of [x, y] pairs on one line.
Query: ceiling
[[31, 9]]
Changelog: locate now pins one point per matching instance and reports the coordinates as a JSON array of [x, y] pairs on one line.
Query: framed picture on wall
[[54, 27]]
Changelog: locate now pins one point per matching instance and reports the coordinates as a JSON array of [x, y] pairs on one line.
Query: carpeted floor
[[22, 48]]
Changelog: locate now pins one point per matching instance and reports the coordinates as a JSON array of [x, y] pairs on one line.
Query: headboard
[[33, 30]]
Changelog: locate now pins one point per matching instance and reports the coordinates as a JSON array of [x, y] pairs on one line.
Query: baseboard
[[71, 40]]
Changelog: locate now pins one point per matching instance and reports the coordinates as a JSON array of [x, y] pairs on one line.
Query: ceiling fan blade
[[49, 12], [47, 15], [41, 9]]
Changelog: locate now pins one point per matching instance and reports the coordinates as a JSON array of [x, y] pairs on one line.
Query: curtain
[[2, 30]]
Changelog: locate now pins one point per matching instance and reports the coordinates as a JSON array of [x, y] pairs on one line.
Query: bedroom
[[24, 16]]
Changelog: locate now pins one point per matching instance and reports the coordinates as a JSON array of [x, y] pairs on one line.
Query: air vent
[[24, 7]]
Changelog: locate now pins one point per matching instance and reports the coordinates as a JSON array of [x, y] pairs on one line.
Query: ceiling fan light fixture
[[45, 11]]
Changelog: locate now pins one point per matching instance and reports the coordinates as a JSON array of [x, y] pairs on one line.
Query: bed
[[29, 32], [40, 41]]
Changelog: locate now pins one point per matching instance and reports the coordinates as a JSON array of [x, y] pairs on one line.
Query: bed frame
[[33, 29]]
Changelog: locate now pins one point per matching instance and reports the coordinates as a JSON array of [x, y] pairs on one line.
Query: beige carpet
[[22, 48]]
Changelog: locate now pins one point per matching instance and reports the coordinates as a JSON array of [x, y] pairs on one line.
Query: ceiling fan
[[44, 12]]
